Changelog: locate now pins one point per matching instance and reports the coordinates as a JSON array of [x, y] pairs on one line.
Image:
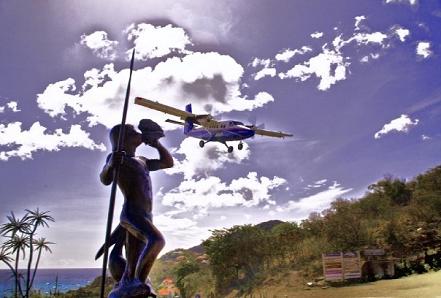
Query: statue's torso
[[135, 184]]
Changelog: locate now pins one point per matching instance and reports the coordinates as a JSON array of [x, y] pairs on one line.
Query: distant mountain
[[199, 249], [269, 225]]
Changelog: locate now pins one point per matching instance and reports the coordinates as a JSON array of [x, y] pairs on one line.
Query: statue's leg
[[134, 247], [155, 243]]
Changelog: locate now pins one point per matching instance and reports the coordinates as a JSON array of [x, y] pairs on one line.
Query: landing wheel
[[240, 146], [201, 143], [230, 149]]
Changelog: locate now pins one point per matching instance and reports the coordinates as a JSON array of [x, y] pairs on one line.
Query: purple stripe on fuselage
[[221, 135]]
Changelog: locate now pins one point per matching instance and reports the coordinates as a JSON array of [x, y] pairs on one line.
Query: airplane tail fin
[[188, 123]]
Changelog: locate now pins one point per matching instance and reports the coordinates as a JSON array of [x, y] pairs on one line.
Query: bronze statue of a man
[[136, 231]]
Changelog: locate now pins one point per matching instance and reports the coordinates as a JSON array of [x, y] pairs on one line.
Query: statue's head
[[131, 136]]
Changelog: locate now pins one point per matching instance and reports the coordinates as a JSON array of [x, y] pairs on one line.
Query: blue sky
[[355, 82]]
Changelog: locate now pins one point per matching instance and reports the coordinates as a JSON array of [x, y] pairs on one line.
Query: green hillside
[[403, 217]]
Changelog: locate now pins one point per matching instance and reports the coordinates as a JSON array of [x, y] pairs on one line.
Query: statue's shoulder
[[143, 160]]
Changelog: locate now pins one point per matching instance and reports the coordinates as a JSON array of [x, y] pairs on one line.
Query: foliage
[[19, 234], [403, 217]]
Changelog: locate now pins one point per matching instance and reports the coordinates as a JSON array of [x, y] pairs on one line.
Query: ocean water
[[68, 279]]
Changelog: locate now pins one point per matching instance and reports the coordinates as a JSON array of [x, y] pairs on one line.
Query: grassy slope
[[416, 286]]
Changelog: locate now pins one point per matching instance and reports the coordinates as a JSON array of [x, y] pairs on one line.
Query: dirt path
[[416, 286]]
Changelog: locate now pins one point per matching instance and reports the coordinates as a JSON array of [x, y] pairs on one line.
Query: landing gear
[[230, 148], [201, 143], [240, 146]]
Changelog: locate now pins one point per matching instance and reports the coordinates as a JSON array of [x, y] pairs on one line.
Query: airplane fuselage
[[222, 132]]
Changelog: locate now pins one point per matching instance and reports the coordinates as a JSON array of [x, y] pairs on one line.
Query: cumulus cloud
[[206, 160], [156, 41], [11, 105], [180, 232], [100, 44], [287, 54], [358, 20], [329, 66], [211, 192], [371, 56], [314, 203], [271, 72], [15, 142], [210, 81], [332, 63], [423, 49], [262, 62], [316, 35], [402, 33], [401, 124]]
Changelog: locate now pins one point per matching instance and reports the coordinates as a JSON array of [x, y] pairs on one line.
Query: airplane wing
[[204, 120], [164, 108], [270, 133]]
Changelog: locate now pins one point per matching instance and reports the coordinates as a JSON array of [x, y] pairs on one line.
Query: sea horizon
[[45, 279]]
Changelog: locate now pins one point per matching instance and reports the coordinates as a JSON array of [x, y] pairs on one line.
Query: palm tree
[[35, 219], [40, 244], [15, 225], [17, 243]]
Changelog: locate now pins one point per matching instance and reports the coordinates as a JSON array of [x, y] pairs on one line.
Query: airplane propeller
[[253, 120]]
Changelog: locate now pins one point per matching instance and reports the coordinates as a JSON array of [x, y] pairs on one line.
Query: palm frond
[[42, 243], [15, 225], [39, 218]]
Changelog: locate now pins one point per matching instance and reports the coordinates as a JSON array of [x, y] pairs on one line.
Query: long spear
[[115, 182]]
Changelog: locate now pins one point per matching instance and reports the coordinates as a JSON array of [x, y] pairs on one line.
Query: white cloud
[[212, 157], [210, 81], [156, 41], [402, 33], [22, 143], [425, 137], [100, 45], [316, 184], [180, 232], [329, 66], [423, 49], [260, 62], [366, 38], [314, 203], [317, 35], [287, 54], [371, 56], [265, 72], [401, 124], [410, 2], [11, 105], [211, 192], [358, 20]]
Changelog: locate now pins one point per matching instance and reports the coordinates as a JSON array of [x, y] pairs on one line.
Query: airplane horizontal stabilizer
[[174, 122]]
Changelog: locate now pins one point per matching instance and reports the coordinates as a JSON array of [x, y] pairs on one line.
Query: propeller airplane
[[208, 129]]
